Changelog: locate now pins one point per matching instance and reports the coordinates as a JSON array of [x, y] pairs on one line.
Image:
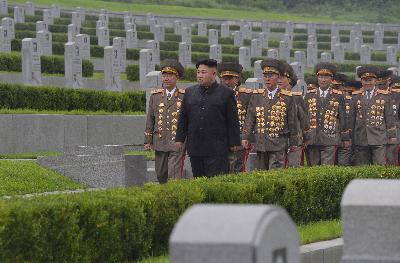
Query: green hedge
[[13, 96], [126, 224], [49, 64]]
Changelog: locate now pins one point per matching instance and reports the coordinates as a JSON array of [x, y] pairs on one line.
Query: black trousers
[[209, 165]]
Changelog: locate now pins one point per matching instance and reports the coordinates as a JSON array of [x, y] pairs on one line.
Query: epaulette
[[336, 91], [356, 92], [348, 97], [385, 92], [157, 91], [259, 91], [245, 90], [396, 90], [312, 91], [287, 93], [297, 93], [181, 91]]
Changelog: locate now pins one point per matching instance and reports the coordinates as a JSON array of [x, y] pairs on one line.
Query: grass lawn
[[25, 177], [314, 232], [187, 11]]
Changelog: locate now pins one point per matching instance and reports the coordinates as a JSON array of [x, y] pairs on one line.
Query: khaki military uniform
[[161, 126], [273, 124], [373, 124], [295, 158], [345, 154], [237, 159], [327, 126]]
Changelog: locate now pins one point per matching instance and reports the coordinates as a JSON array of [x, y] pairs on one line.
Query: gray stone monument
[[5, 40], [103, 39], [298, 69], [155, 48], [83, 41], [378, 40], [31, 67], [338, 53], [391, 55], [265, 234], [312, 55], [202, 29], [185, 54], [216, 53], [76, 19], [370, 219], [40, 26], [47, 17], [273, 53], [112, 67], [45, 40], [131, 39], [4, 7], [365, 54], [55, 11], [159, 33], [212, 37], [284, 51], [19, 14], [8, 23], [187, 35], [73, 65], [225, 30], [245, 58], [237, 39], [300, 56], [334, 40], [178, 27], [256, 48], [73, 30], [146, 65], [29, 9], [119, 44], [264, 38], [326, 57]]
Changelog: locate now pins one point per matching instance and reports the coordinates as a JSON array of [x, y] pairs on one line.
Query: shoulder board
[[336, 91], [181, 91], [348, 97], [312, 91], [396, 90], [287, 93], [356, 92], [385, 92], [156, 91], [245, 90], [297, 93]]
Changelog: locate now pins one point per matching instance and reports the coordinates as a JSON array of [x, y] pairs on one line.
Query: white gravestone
[[73, 65], [31, 67], [112, 66]]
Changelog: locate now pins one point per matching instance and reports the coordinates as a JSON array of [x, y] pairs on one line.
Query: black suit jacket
[[208, 121]]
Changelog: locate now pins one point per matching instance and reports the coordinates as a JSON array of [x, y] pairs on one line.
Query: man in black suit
[[208, 122]]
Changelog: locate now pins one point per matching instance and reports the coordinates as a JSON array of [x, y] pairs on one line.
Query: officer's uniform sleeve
[[233, 121], [150, 121], [181, 131]]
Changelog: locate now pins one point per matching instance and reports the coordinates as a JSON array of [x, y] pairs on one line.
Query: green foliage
[[50, 98]]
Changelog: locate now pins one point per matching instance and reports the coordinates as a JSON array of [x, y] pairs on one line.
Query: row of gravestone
[[370, 210]]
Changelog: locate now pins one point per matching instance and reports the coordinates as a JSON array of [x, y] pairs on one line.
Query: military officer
[[271, 117], [230, 75], [295, 157], [326, 110], [372, 119], [161, 123], [383, 83]]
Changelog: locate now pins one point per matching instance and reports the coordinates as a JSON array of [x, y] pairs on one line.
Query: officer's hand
[[148, 146], [179, 146], [245, 144]]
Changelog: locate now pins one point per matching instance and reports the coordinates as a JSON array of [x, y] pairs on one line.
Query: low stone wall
[[51, 132]]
